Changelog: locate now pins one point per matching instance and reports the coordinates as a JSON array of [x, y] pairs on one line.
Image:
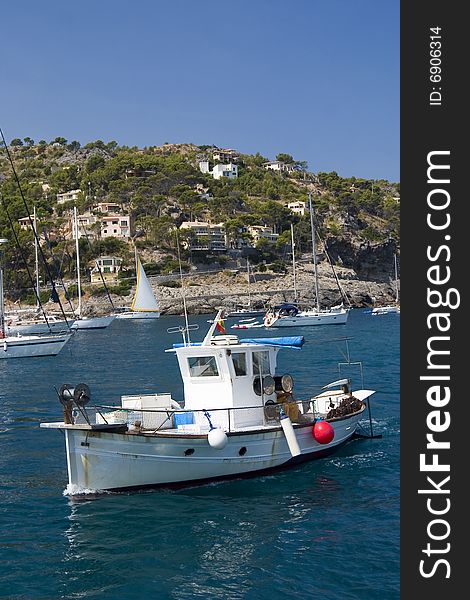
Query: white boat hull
[[309, 318], [93, 322], [247, 325], [138, 315], [100, 460], [32, 346], [245, 313], [385, 310], [39, 328]]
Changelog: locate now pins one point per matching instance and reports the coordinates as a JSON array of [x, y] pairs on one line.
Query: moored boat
[[144, 304], [239, 418], [93, 322], [390, 308], [385, 310], [290, 315], [81, 321], [23, 346], [24, 325]]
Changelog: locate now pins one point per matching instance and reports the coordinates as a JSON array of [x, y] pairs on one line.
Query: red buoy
[[323, 432]]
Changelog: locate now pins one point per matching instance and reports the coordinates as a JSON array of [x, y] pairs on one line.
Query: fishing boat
[[239, 417], [23, 346], [290, 315], [144, 305], [81, 321]]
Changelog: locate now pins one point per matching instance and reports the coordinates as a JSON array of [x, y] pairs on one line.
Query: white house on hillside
[[298, 207], [71, 196], [206, 235], [258, 232], [204, 166], [118, 226], [109, 267], [108, 207], [92, 226], [226, 155], [230, 171], [25, 222], [220, 170], [277, 165]]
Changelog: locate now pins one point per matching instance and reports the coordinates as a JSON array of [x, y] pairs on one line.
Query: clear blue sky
[[318, 79]]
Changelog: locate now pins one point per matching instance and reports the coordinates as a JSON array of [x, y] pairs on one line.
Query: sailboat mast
[[293, 260], [135, 258], [396, 280], [314, 252], [36, 257], [2, 303], [79, 291], [248, 275]]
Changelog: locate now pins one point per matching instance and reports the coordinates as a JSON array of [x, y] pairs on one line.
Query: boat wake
[[366, 459], [75, 490]]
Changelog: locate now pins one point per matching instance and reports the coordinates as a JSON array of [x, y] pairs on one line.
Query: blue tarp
[[296, 341]]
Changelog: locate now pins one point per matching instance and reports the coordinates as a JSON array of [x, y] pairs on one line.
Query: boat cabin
[[228, 373]]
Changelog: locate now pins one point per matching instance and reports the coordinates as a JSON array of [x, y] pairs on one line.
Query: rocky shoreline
[[206, 293]]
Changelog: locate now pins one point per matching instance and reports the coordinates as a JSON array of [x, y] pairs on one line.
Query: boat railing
[[201, 421]]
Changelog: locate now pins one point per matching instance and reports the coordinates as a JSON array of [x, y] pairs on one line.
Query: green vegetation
[[161, 187]]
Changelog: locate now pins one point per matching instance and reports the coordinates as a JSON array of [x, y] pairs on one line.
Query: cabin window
[[203, 366], [239, 363], [261, 363]]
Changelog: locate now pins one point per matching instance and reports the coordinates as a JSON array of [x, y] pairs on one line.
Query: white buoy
[[217, 438], [291, 438]]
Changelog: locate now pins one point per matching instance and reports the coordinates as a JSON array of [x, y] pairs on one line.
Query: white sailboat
[[390, 308], [82, 322], [144, 305], [24, 322], [23, 346], [289, 315]]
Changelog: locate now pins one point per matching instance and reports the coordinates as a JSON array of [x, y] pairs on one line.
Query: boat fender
[[289, 432], [269, 320], [217, 439], [323, 432]]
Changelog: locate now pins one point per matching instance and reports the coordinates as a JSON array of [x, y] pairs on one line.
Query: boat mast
[[314, 253], [36, 256], [293, 260], [248, 273], [2, 304], [396, 281], [136, 276], [135, 258], [79, 291]]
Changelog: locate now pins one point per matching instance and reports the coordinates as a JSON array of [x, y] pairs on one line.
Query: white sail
[[144, 300]]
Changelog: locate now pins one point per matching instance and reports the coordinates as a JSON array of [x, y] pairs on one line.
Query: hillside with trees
[[161, 187]]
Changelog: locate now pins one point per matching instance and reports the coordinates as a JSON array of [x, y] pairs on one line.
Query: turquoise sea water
[[327, 529]]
